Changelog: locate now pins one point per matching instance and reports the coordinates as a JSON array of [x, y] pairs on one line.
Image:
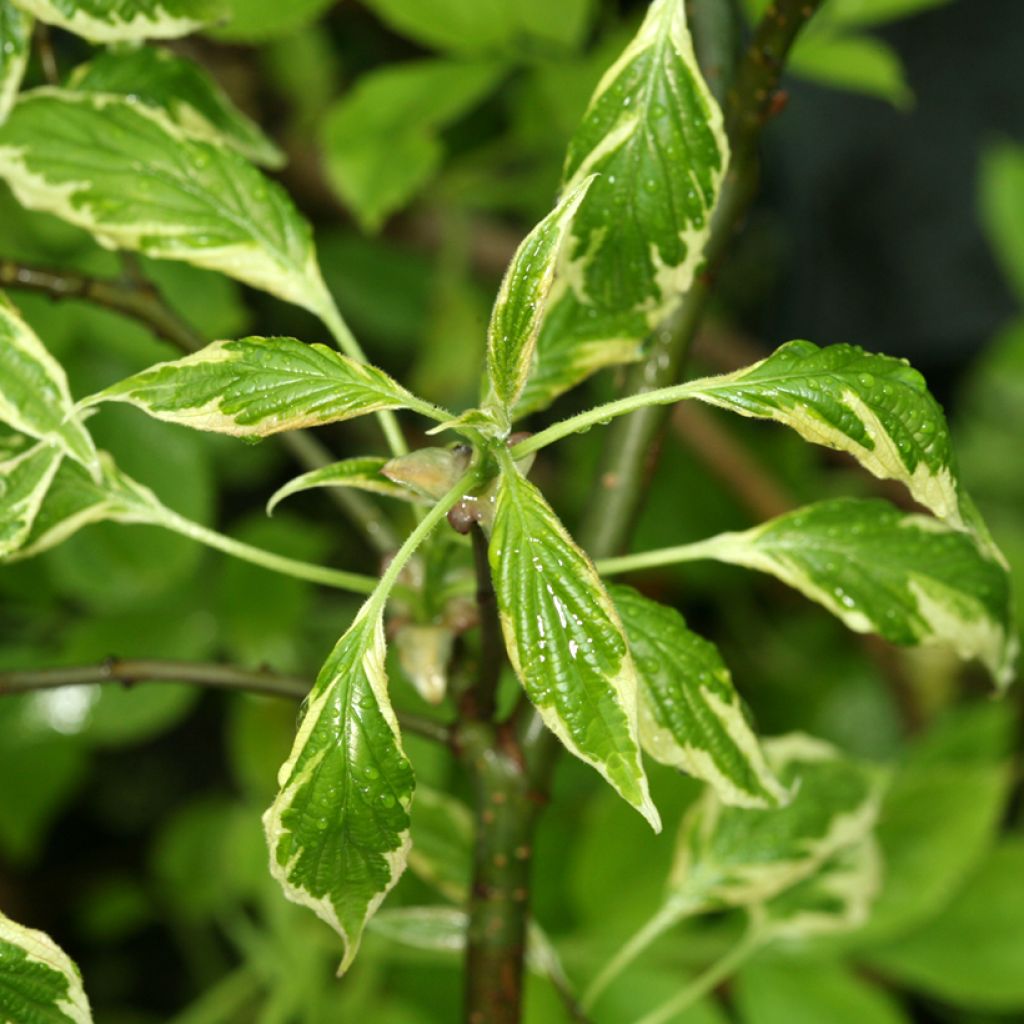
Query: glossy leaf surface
[[110, 21], [15, 44]]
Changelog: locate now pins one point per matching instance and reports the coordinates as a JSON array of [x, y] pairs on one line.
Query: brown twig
[[134, 671]]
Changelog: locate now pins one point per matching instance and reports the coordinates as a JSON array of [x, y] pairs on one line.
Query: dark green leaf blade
[[258, 386], [38, 982], [565, 639], [111, 21], [339, 828], [184, 91], [907, 577], [125, 173], [653, 134], [690, 713]]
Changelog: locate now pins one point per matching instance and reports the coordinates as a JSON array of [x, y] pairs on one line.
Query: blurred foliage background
[[423, 139]]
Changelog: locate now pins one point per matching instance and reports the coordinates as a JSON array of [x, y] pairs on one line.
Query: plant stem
[[505, 809], [667, 916], [479, 701], [140, 300], [347, 343], [133, 671], [704, 983], [718, 547], [338, 578]]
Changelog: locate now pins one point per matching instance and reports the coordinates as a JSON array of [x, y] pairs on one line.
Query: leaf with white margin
[[24, 481], [75, 500], [39, 984], [111, 21], [184, 91], [440, 929], [362, 473], [255, 387], [910, 578], [339, 829], [565, 639], [523, 299], [653, 134], [133, 179], [690, 713], [733, 857], [875, 407], [15, 45], [837, 898], [34, 394]]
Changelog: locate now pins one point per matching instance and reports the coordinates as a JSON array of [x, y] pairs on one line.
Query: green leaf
[[125, 173], [523, 300], [875, 407], [486, 26], [442, 843], [690, 713], [363, 473], [1002, 209], [565, 640], [382, 140], [653, 134], [15, 46], [75, 500], [938, 820], [854, 63], [728, 856], [339, 828], [37, 980], [111, 21], [802, 990], [258, 386], [184, 91], [907, 577], [254, 21], [34, 395], [24, 481], [971, 954]]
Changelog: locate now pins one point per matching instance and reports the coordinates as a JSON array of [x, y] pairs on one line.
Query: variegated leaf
[[184, 91], [565, 640], [653, 134], [908, 577], [339, 828], [875, 407], [837, 898], [15, 45], [259, 386], [362, 473], [523, 299], [730, 857], [110, 21], [34, 395], [690, 713], [38, 982], [124, 172], [24, 481], [75, 500]]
